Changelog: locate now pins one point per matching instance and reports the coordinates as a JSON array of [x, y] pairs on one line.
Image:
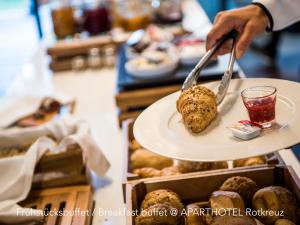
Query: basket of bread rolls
[[250, 196], [140, 163]]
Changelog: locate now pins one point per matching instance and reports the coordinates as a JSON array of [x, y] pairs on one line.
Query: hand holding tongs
[[195, 73]]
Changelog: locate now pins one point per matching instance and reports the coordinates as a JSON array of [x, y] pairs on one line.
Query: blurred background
[[27, 24]]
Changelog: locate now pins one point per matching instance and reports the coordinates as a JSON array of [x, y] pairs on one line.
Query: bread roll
[[242, 185], [170, 171], [157, 214], [143, 158], [147, 172], [233, 220], [221, 200], [198, 107], [194, 215], [162, 196], [278, 203], [190, 166], [134, 145], [284, 222], [252, 161]]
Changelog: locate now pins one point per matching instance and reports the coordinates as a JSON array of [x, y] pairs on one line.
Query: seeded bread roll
[[198, 107], [162, 196], [143, 158], [278, 203], [245, 186]]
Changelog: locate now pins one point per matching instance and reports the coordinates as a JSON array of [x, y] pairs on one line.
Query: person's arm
[[282, 12], [249, 21]]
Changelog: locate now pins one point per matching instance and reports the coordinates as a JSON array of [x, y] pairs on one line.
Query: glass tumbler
[[260, 102]]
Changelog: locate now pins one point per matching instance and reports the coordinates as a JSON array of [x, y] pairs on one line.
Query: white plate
[[160, 129], [158, 71]]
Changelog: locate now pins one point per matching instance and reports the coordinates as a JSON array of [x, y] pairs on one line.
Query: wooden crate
[[131, 103], [128, 176], [70, 163], [73, 200], [194, 188]]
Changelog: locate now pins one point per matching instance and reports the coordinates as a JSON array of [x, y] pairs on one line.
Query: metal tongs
[[195, 73]]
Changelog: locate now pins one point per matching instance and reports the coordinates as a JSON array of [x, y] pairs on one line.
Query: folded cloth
[[19, 107], [19, 170]]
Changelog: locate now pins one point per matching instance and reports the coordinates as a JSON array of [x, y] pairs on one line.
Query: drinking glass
[[260, 103]]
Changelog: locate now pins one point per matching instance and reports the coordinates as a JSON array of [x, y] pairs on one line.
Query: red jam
[[261, 110]]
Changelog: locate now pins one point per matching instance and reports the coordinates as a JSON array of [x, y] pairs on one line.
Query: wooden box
[[54, 169], [75, 201], [273, 158], [193, 188], [131, 103], [68, 166], [128, 176]]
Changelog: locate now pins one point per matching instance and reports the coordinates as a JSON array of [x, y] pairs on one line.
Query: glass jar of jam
[[63, 21], [132, 15], [96, 18]]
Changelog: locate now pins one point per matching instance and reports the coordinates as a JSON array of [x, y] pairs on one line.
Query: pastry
[[242, 185], [252, 161], [158, 214], [278, 202], [162, 196], [220, 200], [284, 222], [194, 215], [134, 145], [219, 165], [198, 107], [147, 172], [170, 171], [144, 158], [190, 166], [233, 220]]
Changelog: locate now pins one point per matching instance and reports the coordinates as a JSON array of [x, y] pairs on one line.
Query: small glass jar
[[78, 63], [96, 18], [63, 20], [109, 56], [94, 58], [132, 15]]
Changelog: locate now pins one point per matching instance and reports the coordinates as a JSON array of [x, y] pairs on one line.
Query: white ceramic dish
[[153, 71], [160, 128], [190, 55], [158, 71]]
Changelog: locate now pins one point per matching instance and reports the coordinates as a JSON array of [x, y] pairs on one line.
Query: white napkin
[[15, 182], [17, 107]]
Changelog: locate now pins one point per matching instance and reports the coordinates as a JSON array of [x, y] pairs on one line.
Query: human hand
[[249, 21]]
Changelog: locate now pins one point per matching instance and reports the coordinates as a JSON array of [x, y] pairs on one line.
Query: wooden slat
[[143, 97], [75, 198]]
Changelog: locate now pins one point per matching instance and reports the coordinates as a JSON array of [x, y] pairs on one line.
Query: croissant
[[198, 107]]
